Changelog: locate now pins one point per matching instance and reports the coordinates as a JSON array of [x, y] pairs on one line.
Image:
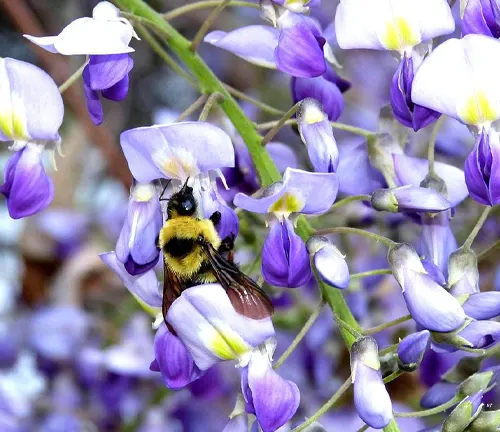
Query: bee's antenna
[[164, 190], [184, 186]]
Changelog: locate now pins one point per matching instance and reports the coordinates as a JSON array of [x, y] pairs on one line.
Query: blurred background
[[75, 347]]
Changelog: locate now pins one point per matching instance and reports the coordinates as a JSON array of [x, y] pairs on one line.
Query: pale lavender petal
[[483, 306], [481, 334], [282, 155], [329, 262], [255, 43], [438, 394], [412, 348]]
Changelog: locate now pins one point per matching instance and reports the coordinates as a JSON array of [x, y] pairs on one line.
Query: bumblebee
[[194, 254]]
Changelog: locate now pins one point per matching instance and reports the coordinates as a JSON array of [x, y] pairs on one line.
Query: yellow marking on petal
[[399, 34], [6, 124], [19, 126], [228, 345], [371, 360], [287, 204], [313, 115], [143, 192], [13, 126], [478, 110]]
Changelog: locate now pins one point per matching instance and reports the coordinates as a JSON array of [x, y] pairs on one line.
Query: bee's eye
[[187, 205]]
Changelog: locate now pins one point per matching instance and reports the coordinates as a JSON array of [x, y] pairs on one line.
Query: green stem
[[277, 127], [429, 412], [211, 101], [73, 78], [348, 200], [203, 5], [198, 103], [432, 144], [328, 404], [477, 227], [300, 335], [371, 273], [347, 230], [487, 251], [167, 58], [363, 428], [340, 126], [386, 325], [207, 24], [393, 376], [387, 350], [263, 106]]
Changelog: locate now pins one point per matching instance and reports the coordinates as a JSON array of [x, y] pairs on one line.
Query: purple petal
[[412, 348], [117, 92], [474, 175], [282, 155], [475, 19], [285, 261], [144, 287], [300, 52], [275, 400], [411, 171], [173, 360], [207, 147], [495, 171], [104, 71], [27, 188], [329, 262], [481, 334], [94, 106], [409, 199], [483, 306], [371, 399], [438, 394], [255, 43], [229, 222]]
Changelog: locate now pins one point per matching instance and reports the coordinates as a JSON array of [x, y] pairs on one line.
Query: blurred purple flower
[[27, 187], [438, 394], [482, 169], [136, 247]]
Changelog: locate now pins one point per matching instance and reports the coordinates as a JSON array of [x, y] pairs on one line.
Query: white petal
[[46, 42], [391, 24], [460, 79]]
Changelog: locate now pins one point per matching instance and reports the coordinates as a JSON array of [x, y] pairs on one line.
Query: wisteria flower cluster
[[385, 315]]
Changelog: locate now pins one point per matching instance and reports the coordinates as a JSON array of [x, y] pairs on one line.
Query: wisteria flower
[[136, 247], [105, 38], [285, 260], [329, 262], [481, 17], [177, 151], [396, 26]]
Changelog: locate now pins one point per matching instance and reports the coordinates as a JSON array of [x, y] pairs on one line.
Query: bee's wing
[[172, 288], [246, 296]]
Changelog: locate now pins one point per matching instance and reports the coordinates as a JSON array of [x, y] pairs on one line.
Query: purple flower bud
[[272, 399], [430, 305], [329, 262], [317, 134], [412, 348], [481, 17], [409, 199], [285, 261], [438, 394], [27, 187], [481, 334], [300, 47], [327, 89], [464, 413], [229, 223], [483, 306], [407, 112], [463, 274], [136, 247], [371, 399], [107, 74], [172, 359], [482, 170]]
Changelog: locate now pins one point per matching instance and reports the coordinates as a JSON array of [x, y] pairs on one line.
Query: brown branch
[[56, 65]]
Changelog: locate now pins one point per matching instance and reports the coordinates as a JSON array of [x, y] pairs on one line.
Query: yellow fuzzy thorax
[[188, 228]]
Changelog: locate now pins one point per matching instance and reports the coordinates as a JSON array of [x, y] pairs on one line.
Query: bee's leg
[[227, 246], [215, 218]]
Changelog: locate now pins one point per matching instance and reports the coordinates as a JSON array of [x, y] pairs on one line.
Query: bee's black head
[[182, 203]]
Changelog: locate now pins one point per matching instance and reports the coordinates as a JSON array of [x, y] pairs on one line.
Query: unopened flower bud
[[463, 275], [371, 399], [483, 305], [330, 263], [409, 199], [474, 384], [411, 350], [487, 421], [463, 414], [430, 305]]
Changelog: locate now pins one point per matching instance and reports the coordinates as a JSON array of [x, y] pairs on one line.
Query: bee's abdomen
[[179, 247]]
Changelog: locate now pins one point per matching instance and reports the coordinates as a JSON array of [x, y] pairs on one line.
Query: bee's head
[[182, 203]]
